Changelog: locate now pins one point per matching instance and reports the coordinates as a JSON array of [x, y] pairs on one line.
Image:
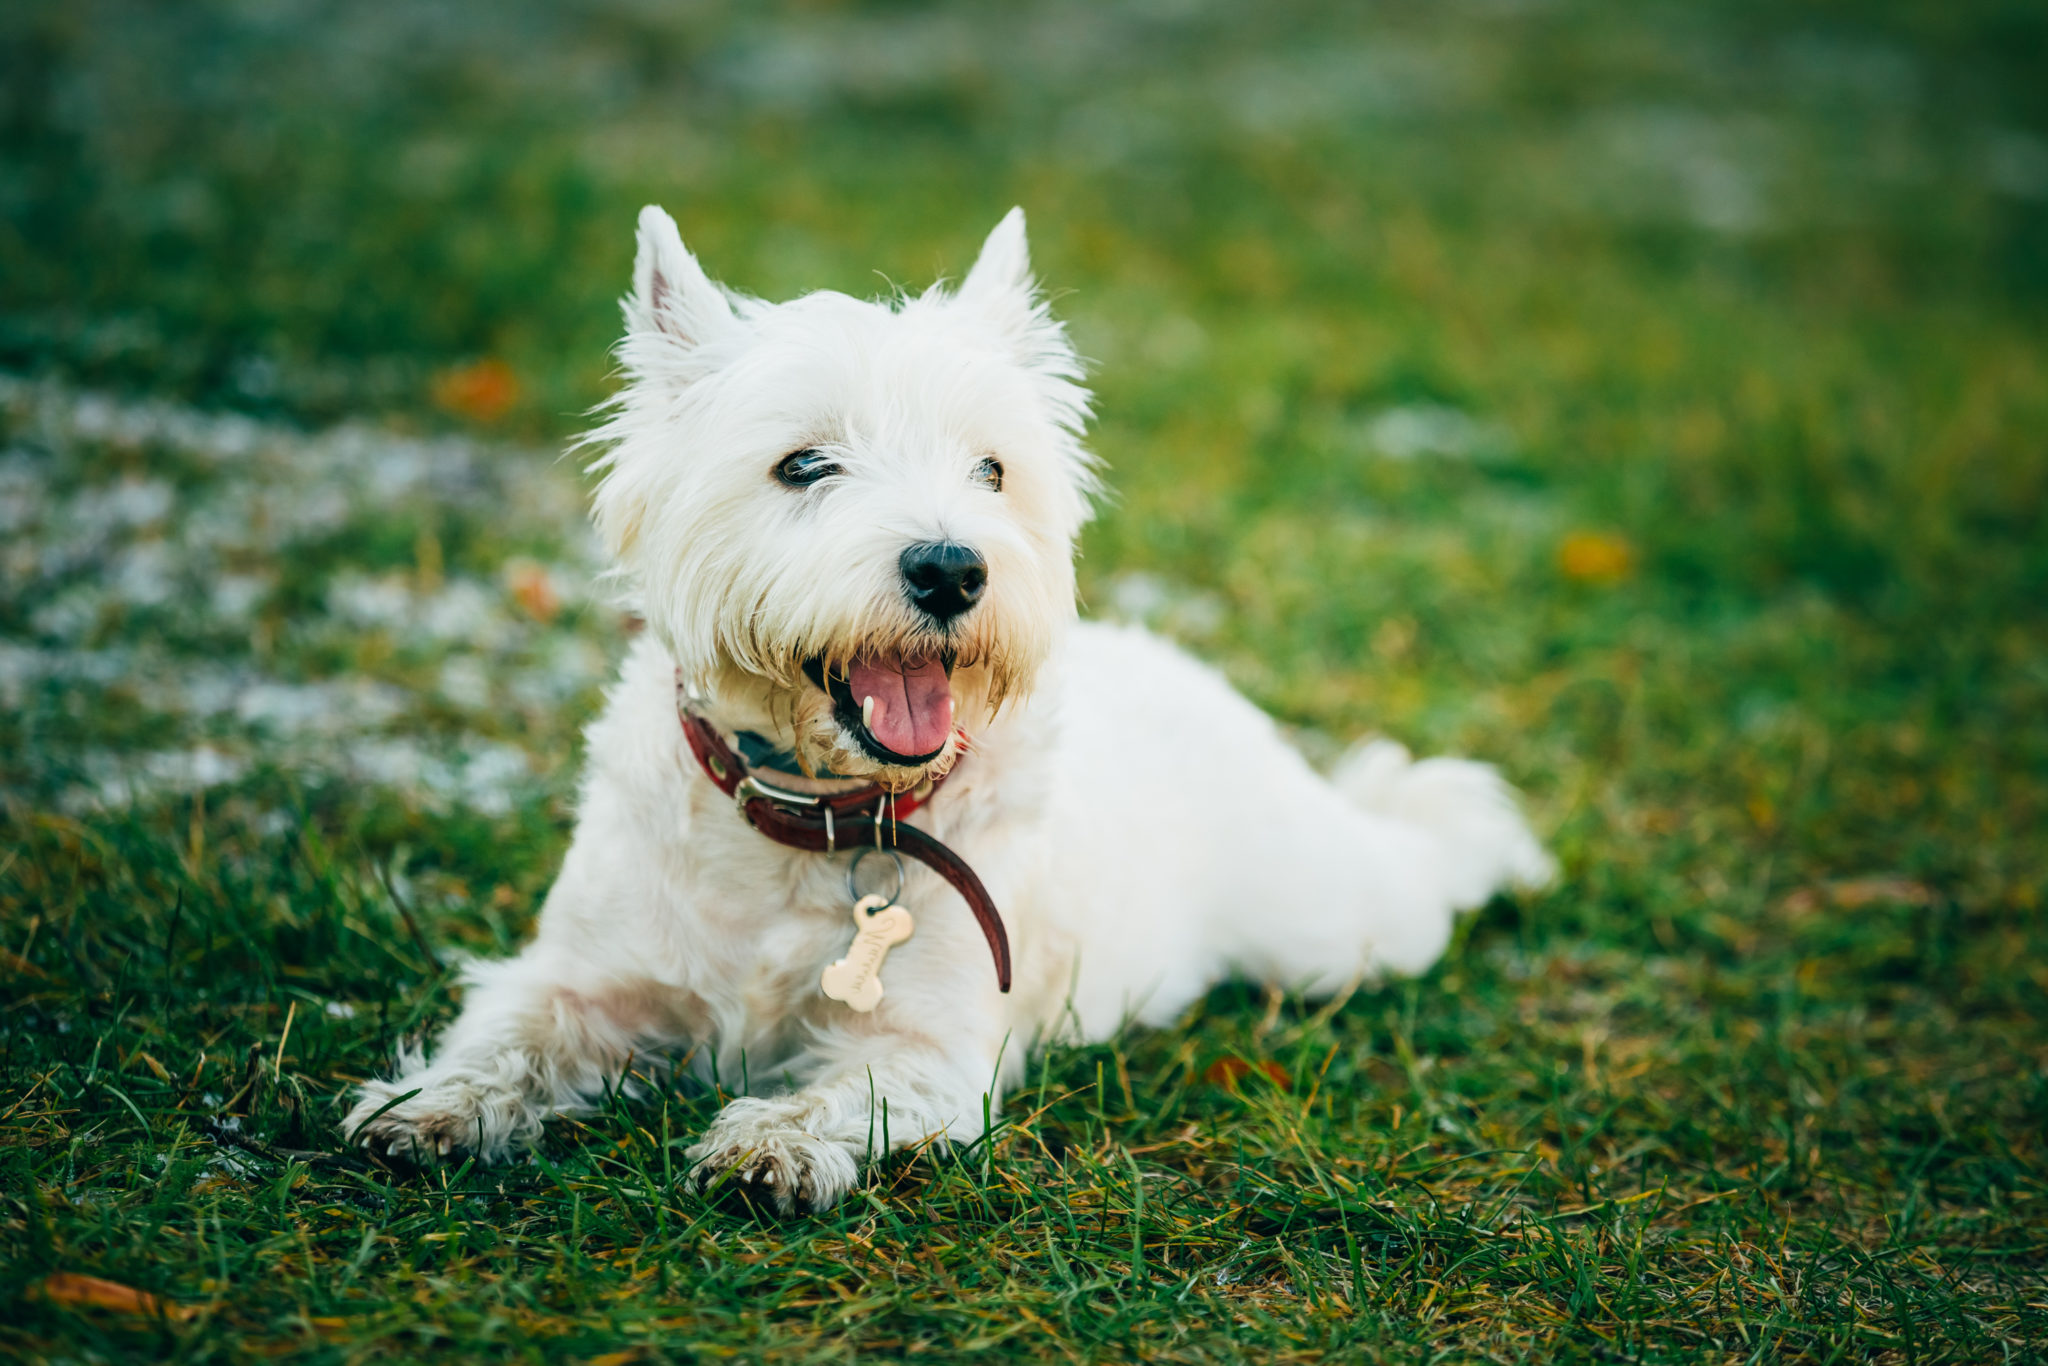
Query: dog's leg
[[538, 1035], [872, 1091]]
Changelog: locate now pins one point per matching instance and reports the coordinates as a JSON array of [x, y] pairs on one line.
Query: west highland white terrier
[[868, 811]]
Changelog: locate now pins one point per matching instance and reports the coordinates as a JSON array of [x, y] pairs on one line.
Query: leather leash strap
[[846, 820]]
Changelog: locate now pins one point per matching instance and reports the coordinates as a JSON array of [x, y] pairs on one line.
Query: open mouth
[[899, 708]]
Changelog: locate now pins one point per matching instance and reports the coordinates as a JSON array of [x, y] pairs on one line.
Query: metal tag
[[857, 978]]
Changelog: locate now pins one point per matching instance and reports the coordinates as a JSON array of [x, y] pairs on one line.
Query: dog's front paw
[[753, 1151], [440, 1120]]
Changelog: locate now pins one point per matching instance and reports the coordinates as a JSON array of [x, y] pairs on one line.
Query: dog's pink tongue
[[913, 702]]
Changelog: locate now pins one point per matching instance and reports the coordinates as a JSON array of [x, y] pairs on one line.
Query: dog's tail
[[1467, 806]]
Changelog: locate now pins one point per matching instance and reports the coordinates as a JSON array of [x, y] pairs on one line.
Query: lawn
[[1649, 398]]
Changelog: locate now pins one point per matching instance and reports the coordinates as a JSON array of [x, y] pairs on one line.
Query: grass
[[1711, 335]]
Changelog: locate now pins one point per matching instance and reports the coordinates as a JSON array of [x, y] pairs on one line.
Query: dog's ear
[[1001, 276], [673, 300], [672, 312], [1001, 291]]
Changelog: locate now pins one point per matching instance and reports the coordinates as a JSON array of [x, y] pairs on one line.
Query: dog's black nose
[[943, 578]]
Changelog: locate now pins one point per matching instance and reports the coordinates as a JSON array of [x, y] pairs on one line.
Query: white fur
[[1145, 830]]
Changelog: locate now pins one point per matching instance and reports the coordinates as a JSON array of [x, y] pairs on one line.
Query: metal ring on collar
[[853, 873]]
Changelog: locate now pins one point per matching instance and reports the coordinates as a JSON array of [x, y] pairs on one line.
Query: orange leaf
[[74, 1291], [533, 589], [1229, 1071], [482, 392]]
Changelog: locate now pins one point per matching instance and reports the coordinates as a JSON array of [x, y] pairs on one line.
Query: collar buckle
[[750, 787]]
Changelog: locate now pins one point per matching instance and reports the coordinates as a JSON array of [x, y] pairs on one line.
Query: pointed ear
[[672, 296], [1000, 283], [1000, 290]]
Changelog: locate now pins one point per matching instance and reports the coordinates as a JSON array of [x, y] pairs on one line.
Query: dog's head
[[851, 522]]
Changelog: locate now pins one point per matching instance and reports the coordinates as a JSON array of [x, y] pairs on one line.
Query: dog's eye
[[990, 472], [807, 466]]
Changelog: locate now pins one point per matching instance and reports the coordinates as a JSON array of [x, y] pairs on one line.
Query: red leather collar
[[845, 820]]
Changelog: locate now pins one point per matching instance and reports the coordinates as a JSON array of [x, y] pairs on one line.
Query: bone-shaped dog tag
[[857, 978]]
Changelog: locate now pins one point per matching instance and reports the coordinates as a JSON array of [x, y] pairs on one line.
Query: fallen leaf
[[74, 1291], [533, 588], [1804, 901], [482, 392], [1855, 893], [1229, 1071], [10, 961], [1596, 557]]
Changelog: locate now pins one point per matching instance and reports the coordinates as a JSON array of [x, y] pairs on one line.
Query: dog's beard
[[795, 656], [893, 708]]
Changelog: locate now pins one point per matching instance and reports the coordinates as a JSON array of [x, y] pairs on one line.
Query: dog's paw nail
[[446, 1147]]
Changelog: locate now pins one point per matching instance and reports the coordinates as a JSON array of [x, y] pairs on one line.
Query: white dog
[[851, 527]]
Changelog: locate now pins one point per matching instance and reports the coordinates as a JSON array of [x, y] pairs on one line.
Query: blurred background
[[1465, 370], [1650, 397]]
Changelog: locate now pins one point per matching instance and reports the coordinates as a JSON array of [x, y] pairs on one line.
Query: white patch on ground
[[121, 779], [99, 512], [1416, 430], [147, 593], [145, 575], [364, 601], [22, 495], [569, 665], [466, 682], [335, 707], [463, 611], [1149, 600], [466, 612], [1661, 162], [484, 775], [235, 597]]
